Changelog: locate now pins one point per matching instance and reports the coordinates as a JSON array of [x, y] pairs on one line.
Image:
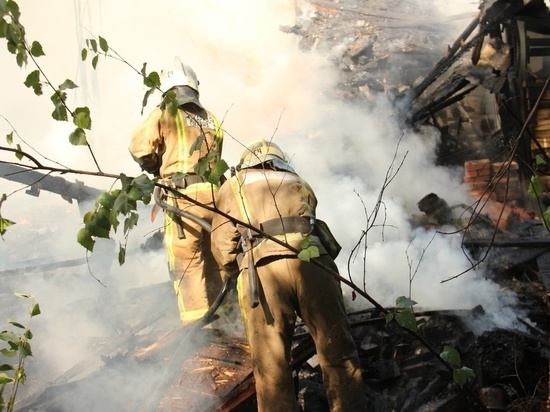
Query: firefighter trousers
[[289, 287], [196, 275]]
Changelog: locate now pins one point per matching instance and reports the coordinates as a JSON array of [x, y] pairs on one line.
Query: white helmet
[[178, 74], [262, 151]]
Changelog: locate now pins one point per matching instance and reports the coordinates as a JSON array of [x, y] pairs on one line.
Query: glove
[[150, 163]]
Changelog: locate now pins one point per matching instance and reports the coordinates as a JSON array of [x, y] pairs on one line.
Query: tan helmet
[[262, 151], [178, 74]]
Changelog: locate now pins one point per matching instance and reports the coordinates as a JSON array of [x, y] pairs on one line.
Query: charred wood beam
[[460, 47], [442, 102], [39, 181], [44, 267], [530, 242]]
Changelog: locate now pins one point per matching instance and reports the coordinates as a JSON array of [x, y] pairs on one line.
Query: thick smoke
[[254, 78]]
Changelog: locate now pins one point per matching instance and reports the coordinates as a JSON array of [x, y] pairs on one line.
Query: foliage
[[110, 205], [309, 250], [404, 316], [460, 373], [403, 313], [19, 348]]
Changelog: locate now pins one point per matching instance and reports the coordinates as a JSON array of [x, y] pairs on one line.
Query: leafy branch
[[18, 346]]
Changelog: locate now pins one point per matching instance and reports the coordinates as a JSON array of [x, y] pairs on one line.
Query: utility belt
[[282, 225], [182, 181], [313, 226]]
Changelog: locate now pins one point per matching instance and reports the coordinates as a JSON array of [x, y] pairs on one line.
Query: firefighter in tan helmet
[[166, 145], [275, 286]]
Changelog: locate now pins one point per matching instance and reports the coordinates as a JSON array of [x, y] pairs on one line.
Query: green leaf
[[103, 44], [546, 217], [215, 174], [98, 223], [25, 349], [106, 200], [4, 224], [305, 243], [81, 117], [16, 324], [304, 255], [18, 153], [21, 58], [535, 187], [36, 49], [35, 311], [130, 222], [85, 239], [3, 28], [146, 98], [6, 367], [5, 379], [78, 137], [28, 334], [67, 84], [539, 160], [311, 252], [8, 353], [93, 44], [94, 61], [9, 138], [152, 80], [133, 193], [33, 81], [404, 302], [124, 204], [169, 103], [23, 295], [121, 255], [13, 8], [8, 336], [84, 54], [20, 375], [451, 356], [389, 317], [145, 185], [314, 252], [60, 113], [201, 167], [197, 144], [406, 320], [461, 375]]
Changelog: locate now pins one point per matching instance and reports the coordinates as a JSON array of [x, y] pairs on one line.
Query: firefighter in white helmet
[[275, 286], [165, 145]]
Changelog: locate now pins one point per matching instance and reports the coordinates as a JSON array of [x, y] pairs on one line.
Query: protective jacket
[[170, 138], [287, 288], [165, 145]]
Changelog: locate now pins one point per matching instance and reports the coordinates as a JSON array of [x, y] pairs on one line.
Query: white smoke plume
[[252, 76]]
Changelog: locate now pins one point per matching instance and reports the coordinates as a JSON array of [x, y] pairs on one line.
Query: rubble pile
[[378, 47]]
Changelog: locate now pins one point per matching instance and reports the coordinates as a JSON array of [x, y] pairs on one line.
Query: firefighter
[[167, 146], [274, 286]]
